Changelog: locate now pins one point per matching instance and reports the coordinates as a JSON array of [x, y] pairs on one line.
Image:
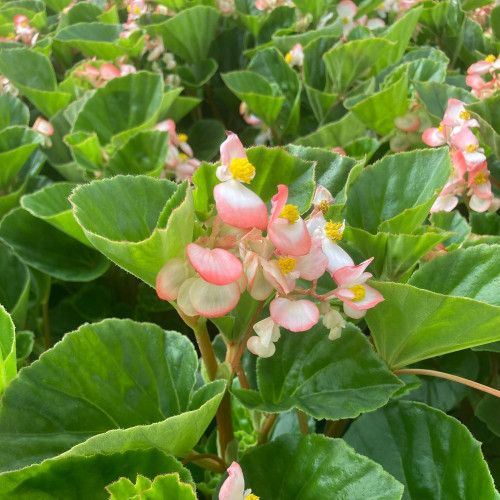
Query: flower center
[[288, 58], [440, 128], [242, 170], [334, 230], [491, 59], [381, 6], [183, 157], [345, 20], [290, 212], [252, 497], [480, 178], [287, 264], [359, 292], [323, 205], [464, 115], [470, 148], [182, 137]]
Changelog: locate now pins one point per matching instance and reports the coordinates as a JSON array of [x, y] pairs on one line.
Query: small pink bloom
[[217, 266], [233, 487], [434, 137], [108, 71], [339, 150], [262, 344], [375, 23], [294, 315], [43, 126], [296, 56], [346, 11], [408, 122], [456, 115]]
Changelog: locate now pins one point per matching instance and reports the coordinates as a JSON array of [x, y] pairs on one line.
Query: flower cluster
[[99, 76], [235, 255], [24, 33], [347, 10], [470, 170], [180, 160], [484, 77]]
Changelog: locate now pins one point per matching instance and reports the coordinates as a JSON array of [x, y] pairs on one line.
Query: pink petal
[[347, 9], [463, 138], [350, 275], [238, 206], [43, 126], [444, 203], [213, 301], [216, 266], [337, 256], [183, 300], [313, 265], [288, 238], [231, 148], [278, 202], [272, 272], [451, 116], [375, 23], [322, 194], [479, 204], [433, 137], [20, 19], [294, 315], [234, 486], [108, 71], [353, 313], [408, 122], [171, 277], [479, 68], [371, 299], [257, 347]]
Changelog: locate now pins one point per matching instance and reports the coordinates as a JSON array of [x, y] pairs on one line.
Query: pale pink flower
[[296, 56], [233, 487], [262, 344], [347, 10]]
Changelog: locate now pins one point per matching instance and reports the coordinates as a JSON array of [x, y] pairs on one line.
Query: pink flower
[[346, 11], [408, 122], [296, 56], [237, 205], [352, 290], [43, 127], [233, 487]]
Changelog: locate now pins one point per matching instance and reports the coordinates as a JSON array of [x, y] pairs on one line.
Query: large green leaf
[[52, 205], [396, 193], [189, 33], [349, 61], [31, 72], [140, 94], [263, 99], [472, 272], [12, 111], [125, 218], [82, 478], [325, 378], [432, 454], [115, 382], [273, 166], [487, 113], [451, 221], [294, 467], [16, 145], [395, 254], [49, 250], [8, 367], [15, 287], [414, 324], [379, 110]]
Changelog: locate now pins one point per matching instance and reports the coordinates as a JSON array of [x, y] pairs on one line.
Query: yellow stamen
[[137, 10], [470, 148], [464, 115], [381, 6], [345, 20], [440, 128], [129, 8], [290, 212], [182, 137], [242, 170], [288, 58], [183, 157], [334, 230], [252, 497], [491, 58], [11, 36], [480, 178], [323, 205], [359, 292], [287, 264]]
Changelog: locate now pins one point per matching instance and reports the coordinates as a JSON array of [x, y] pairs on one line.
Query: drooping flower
[[262, 344], [334, 321]]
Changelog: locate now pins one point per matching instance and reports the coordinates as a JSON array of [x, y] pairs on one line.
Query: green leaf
[[256, 92], [414, 324], [110, 386], [32, 73], [314, 466], [15, 287], [435, 96], [335, 134], [80, 13], [196, 75], [349, 61], [16, 145], [189, 33], [50, 250], [451, 221], [8, 367], [86, 477], [396, 193], [326, 379], [401, 434], [487, 112], [379, 110], [485, 223], [487, 411], [495, 22], [321, 102], [93, 39], [140, 94], [51, 205], [25, 340], [470, 272], [143, 153], [12, 112], [394, 254], [122, 218], [86, 150], [205, 137]]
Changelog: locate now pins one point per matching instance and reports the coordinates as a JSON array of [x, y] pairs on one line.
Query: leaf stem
[[449, 376], [207, 461], [225, 423], [266, 428], [206, 349], [235, 361], [304, 426], [46, 324], [242, 377]]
